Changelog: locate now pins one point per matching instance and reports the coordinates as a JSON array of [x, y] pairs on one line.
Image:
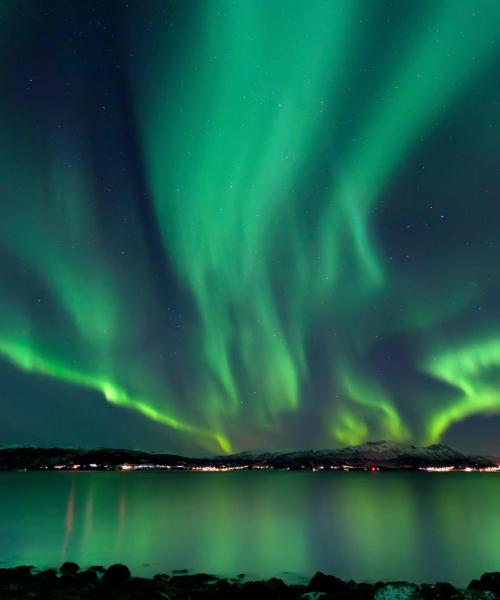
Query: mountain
[[381, 455], [384, 454]]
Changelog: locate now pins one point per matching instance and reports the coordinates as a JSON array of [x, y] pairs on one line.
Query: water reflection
[[88, 521], [122, 516], [69, 520], [423, 527]]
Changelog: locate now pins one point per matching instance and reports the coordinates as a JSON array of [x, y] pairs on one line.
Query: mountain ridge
[[381, 454]]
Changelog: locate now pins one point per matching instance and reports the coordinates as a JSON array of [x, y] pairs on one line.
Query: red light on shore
[[373, 469]]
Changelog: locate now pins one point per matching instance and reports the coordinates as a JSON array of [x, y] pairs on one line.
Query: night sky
[[237, 224]]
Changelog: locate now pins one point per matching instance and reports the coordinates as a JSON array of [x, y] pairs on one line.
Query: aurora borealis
[[233, 224]]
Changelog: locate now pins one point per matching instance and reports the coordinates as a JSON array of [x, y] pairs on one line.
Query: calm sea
[[364, 526]]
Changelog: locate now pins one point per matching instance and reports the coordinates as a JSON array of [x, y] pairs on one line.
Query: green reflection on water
[[416, 526]]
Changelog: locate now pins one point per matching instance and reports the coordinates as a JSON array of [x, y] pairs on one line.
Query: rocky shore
[[116, 583]]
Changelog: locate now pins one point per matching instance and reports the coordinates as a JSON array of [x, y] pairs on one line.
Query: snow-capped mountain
[[383, 453]]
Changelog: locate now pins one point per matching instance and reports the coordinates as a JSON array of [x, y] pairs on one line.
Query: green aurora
[[258, 224]]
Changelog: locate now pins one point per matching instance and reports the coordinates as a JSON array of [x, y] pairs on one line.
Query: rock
[[69, 568], [445, 590], [365, 590], [87, 578], [257, 589], [47, 576], [398, 591], [327, 583], [223, 586], [191, 582], [280, 589], [201, 578], [67, 581], [475, 584], [475, 595], [18, 574], [97, 569], [24, 570], [70, 583], [490, 582], [149, 595], [437, 591], [117, 574]]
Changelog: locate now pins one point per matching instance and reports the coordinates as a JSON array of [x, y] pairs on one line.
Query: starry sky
[[237, 224]]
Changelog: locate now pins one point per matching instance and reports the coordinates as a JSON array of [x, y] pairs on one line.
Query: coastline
[[69, 582]]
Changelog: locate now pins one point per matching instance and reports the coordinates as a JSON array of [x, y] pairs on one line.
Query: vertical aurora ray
[[265, 72], [212, 227]]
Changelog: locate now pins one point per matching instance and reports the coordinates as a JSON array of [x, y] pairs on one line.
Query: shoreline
[[117, 583], [332, 470]]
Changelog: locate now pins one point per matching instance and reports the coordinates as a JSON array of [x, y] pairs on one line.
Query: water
[[364, 526]]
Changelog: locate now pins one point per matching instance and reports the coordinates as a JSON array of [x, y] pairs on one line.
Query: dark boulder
[[282, 590], [444, 590], [67, 582], [328, 584], [199, 578], [475, 584], [147, 589], [224, 588], [191, 582], [437, 591], [23, 571], [15, 575], [490, 582], [98, 569], [365, 591], [87, 578], [69, 568], [149, 595], [48, 576], [117, 573], [258, 589]]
